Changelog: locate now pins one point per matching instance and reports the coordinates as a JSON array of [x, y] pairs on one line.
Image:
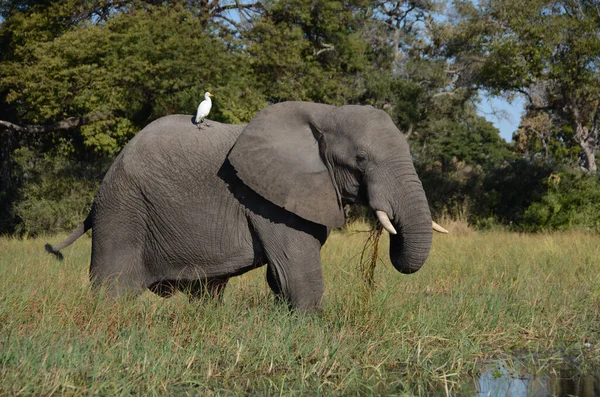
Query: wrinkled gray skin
[[186, 209]]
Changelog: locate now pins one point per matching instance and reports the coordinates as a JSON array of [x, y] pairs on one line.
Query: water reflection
[[564, 382]]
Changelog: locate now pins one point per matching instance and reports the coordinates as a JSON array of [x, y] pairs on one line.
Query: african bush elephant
[[182, 208]]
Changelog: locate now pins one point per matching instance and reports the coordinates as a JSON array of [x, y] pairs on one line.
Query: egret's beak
[[210, 95]]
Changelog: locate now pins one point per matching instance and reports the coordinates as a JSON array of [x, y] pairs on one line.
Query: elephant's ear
[[278, 156]]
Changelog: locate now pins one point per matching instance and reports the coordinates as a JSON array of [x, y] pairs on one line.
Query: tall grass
[[479, 296]]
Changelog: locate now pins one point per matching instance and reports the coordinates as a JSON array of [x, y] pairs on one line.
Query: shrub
[[506, 192], [572, 201], [55, 193], [450, 191]]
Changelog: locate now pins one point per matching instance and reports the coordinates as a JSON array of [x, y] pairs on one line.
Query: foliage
[[125, 72], [539, 138], [545, 50], [311, 50], [56, 195], [473, 140], [454, 159], [449, 191], [521, 195], [572, 201], [504, 194], [79, 78]]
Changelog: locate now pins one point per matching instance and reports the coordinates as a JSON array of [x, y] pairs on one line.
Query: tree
[[546, 50], [539, 138], [78, 91], [113, 78], [310, 50]]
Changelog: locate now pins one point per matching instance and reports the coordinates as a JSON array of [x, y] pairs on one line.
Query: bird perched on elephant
[[203, 109], [179, 210]]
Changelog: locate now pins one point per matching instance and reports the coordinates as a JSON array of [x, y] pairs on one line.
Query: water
[[562, 382]]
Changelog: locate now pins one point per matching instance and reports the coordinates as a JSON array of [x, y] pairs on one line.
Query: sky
[[505, 116]]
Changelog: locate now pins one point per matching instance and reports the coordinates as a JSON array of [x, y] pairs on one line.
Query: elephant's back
[[174, 159], [176, 135], [169, 178]]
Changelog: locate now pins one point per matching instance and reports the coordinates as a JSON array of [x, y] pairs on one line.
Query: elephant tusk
[[438, 228], [384, 219]]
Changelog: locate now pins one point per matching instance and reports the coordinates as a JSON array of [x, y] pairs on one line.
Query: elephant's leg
[[297, 279], [272, 281], [212, 288], [117, 267], [294, 264], [216, 287], [127, 282]]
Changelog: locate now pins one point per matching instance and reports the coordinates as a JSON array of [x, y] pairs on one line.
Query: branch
[[229, 20], [66, 124], [596, 121], [218, 9], [532, 103], [326, 47], [443, 93]]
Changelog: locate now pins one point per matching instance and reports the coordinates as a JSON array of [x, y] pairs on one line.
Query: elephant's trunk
[[401, 206], [410, 247]]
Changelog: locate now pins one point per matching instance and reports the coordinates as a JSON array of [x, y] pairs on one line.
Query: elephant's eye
[[361, 160]]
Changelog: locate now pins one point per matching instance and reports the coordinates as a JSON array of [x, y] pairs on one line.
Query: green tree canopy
[[117, 76], [548, 51], [78, 78]]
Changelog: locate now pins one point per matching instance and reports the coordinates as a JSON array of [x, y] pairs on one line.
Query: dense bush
[[55, 193], [506, 192], [449, 192], [571, 201], [520, 195]]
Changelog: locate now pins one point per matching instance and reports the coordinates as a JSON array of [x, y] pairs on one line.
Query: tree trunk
[[589, 158], [587, 139]]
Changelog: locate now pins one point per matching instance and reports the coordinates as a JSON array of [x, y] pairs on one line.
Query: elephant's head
[[311, 159]]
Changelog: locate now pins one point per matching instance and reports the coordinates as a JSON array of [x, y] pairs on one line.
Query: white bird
[[203, 108]]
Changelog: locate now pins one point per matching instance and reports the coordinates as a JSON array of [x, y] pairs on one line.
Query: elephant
[[186, 209]]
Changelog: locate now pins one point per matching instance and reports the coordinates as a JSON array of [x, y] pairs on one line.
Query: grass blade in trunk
[[369, 262]]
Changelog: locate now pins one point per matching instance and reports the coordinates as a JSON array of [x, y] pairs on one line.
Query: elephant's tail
[[78, 232]]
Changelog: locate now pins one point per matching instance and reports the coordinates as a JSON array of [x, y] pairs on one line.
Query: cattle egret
[[203, 108]]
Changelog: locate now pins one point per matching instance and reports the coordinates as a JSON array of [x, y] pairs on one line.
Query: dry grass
[[456, 225], [479, 296]]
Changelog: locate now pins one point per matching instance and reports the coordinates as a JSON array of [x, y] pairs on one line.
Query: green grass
[[479, 297]]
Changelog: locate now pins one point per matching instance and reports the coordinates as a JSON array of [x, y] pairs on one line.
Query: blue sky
[[505, 116]]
